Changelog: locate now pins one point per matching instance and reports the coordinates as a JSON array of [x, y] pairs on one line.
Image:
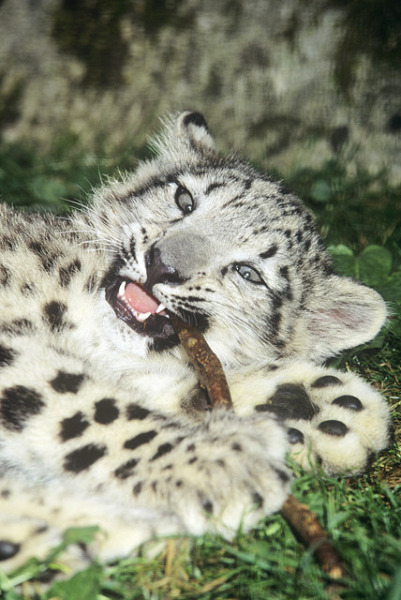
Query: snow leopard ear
[[194, 128], [185, 132], [343, 314]]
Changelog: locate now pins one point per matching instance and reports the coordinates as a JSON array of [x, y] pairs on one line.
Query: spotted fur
[[98, 404]]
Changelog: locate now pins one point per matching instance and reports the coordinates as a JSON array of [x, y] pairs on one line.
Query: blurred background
[[289, 82]]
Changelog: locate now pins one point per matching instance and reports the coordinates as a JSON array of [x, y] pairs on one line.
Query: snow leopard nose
[[157, 271]]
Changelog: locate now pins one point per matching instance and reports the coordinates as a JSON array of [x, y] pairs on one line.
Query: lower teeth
[[141, 317]]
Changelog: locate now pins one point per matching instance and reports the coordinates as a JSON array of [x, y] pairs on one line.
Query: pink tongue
[[140, 300]]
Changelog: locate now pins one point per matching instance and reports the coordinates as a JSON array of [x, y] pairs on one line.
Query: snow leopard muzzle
[[134, 303]]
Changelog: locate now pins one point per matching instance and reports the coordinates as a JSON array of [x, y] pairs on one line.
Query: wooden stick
[[306, 526], [211, 376], [205, 362]]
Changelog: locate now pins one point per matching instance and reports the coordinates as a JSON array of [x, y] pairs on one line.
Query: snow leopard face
[[227, 249]]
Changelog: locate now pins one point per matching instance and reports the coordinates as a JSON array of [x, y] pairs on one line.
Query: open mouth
[[140, 310]]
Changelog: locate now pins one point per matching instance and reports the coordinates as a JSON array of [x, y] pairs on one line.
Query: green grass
[[360, 217]]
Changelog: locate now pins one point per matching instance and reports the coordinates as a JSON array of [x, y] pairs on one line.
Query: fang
[[121, 290], [142, 316]]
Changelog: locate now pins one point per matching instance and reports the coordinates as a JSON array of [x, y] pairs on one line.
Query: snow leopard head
[[228, 249]]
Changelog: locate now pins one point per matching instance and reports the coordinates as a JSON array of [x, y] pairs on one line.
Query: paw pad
[[326, 381], [279, 411], [350, 402], [294, 401], [295, 436], [333, 427], [8, 549]]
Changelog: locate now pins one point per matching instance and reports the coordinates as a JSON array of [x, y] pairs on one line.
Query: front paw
[[230, 473], [334, 419]]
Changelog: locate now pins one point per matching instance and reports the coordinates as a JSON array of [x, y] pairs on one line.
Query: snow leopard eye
[[184, 200], [249, 273]]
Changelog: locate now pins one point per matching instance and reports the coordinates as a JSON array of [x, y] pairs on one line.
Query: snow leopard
[[102, 418]]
